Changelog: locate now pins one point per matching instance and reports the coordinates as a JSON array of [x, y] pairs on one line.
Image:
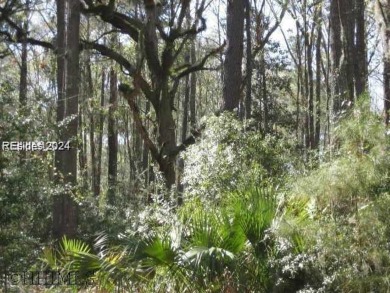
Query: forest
[[195, 146]]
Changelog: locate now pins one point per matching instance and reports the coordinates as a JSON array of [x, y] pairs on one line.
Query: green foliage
[[24, 209], [208, 250], [249, 222], [339, 235], [229, 157], [25, 187]]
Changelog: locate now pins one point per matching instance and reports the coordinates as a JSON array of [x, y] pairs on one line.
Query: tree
[[249, 69], [350, 68], [164, 71], [160, 38], [112, 138], [64, 206], [233, 59], [384, 13], [336, 52]]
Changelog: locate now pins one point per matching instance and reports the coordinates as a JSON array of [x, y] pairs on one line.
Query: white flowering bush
[[229, 157]]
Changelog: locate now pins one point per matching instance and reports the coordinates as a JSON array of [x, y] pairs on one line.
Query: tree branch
[[190, 140], [125, 24], [279, 19], [108, 52], [199, 65], [130, 94], [31, 41]]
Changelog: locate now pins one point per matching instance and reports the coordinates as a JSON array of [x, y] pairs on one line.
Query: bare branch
[[279, 19], [199, 65], [130, 94], [125, 24]]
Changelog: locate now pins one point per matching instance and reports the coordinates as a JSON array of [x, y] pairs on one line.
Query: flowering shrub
[[229, 157]]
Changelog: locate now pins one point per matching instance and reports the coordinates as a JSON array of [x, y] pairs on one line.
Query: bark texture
[[233, 59], [64, 207]]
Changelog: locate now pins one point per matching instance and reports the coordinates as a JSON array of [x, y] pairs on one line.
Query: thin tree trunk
[[128, 148], [83, 141], [23, 71], [186, 100], [299, 80], [145, 151], [318, 80], [264, 94], [307, 78], [220, 40], [100, 137], [193, 87], [310, 76], [92, 126], [327, 75], [386, 65], [112, 139], [249, 70], [137, 151], [23, 86]]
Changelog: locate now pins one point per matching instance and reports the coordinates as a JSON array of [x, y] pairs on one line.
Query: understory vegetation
[[253, 219], [195, 146]]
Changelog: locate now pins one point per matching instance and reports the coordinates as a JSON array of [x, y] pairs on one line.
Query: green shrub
[[344, 232], [229, 157]]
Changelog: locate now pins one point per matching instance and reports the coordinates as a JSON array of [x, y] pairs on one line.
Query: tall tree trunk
[[92, 126], [310, 76], [327, 69], [98, 167], [249, 70], [347, 16], [234, 53], [163, 86], [23, 71], [264, 93], [112, 139], [386, 79], [222, 73], [386, 61], [318, 79], [23, 85], [58, 201], [193, 87], [348, 43], [336, 52], [360, 58], [180, 161], [167, 136], [137, 152], [299, 80], [145, 152], [187, 89], [82, 144], [64, 207]]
